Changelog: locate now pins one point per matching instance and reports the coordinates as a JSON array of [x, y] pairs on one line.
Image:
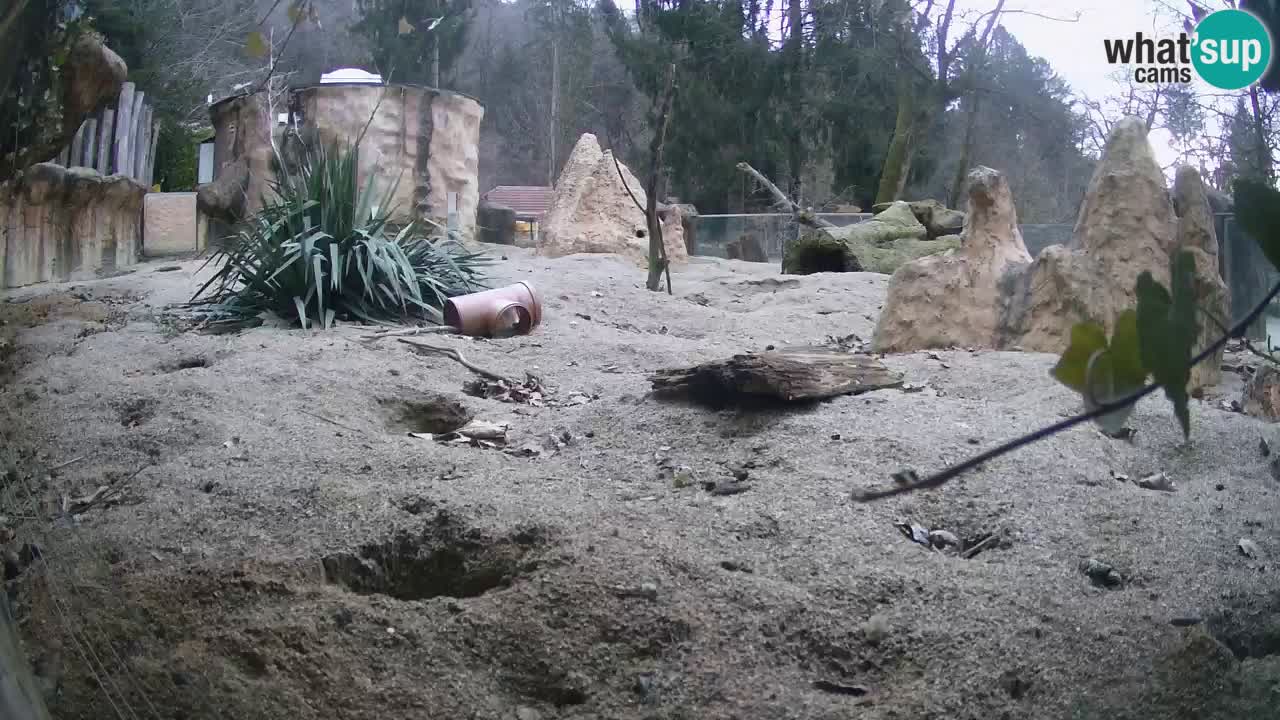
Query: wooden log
[[142, 143], [106, 140], [151, 154], [120, 150], [77, 147], [804, 217], [135, 115], [792, 375], [91, 142]]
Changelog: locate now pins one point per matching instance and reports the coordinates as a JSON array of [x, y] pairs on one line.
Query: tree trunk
[[1265, 160], [897, 161], [657, 248], [966, 151]]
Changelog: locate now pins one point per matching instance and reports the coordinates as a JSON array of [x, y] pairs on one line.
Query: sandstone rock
[[1262, 393], [938, 219], [881, 244], [895, 222], [958, 299], [1126, 226], [68, 224], [226, 197], [1195, 232], [1195, 216], [91, 76], [986, 295], [94, 74], [592, 212]]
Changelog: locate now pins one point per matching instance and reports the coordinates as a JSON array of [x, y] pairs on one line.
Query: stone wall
[[426, 139], [171, 224], [64, 224]]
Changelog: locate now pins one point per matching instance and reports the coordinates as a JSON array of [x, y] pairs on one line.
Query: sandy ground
[[272, 543]]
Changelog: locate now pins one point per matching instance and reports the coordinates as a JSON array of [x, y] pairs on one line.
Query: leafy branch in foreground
[[1155, 340]]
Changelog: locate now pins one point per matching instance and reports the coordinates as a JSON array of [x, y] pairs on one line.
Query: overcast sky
[[1074, 49]]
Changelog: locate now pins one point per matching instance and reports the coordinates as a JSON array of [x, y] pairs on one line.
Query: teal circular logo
[[1232, 49]]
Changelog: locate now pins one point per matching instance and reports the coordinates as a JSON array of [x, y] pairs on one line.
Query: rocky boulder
[[1195, 232], [593, 212], [959, 298], [1262, 393], [993, 298], [937, 219], [881, 244]]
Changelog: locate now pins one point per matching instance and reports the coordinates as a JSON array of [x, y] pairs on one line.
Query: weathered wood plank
[[77, 148], [91, 142], [791, 375], [151, 154], [135, 115], [142, 140], [106, 139], [120, 151]]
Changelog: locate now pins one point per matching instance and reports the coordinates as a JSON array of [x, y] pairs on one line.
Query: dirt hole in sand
[[442, 561], [1252, 632], [135, 411], [185, 363], [424, 413]]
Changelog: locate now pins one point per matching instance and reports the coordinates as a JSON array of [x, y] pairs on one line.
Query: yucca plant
[[321, 248]]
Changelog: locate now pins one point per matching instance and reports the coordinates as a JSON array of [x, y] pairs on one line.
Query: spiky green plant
[[321, 248]]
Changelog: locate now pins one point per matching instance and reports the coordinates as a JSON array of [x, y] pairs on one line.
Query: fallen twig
[[455, 354], [990, 540], [68, 463], [420, 330], [331, 421], [802, 216]]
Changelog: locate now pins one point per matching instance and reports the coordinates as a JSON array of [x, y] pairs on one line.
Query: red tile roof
[[529, 201]]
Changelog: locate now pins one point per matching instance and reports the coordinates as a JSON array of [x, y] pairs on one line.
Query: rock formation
[[881, 244], [1262, 393], [1127, 225], [1195, 232], [959, 299], [67, 224], [591, 211], [421, 141], [938, 219], [91, 75]]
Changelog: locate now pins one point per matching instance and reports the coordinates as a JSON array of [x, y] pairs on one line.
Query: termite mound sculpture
[[990, 293]]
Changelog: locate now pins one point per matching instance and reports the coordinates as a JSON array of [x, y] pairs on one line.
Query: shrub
[[323, 249]]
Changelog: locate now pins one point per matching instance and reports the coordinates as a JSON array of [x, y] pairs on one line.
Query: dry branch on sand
[[792, 375]]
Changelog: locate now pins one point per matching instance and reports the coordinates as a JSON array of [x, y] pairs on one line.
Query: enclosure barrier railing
[[118, 139]]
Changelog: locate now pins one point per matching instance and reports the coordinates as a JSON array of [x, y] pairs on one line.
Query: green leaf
[[1072, 367], [296, 12], [1126, 355], [1167, 331], [1257, 209], [256, 45]]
